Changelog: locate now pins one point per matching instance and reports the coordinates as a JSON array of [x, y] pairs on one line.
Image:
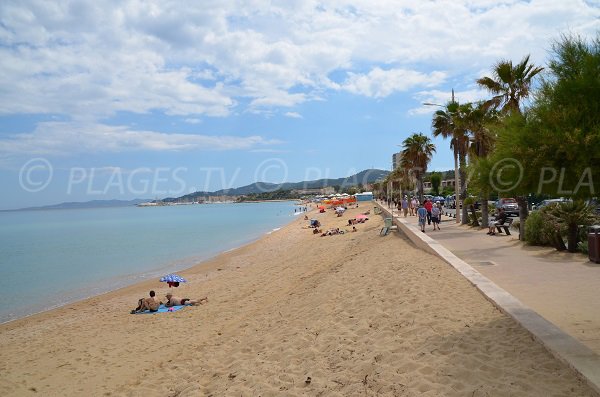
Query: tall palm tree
[[417, 151], [510, 84], [479, 118], [451, 123]]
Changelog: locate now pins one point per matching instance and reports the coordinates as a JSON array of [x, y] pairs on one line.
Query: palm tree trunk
[[523, 213], [558, 242], [484, 211], [456, 185], [474, 213], [463, 191], [572, 238]]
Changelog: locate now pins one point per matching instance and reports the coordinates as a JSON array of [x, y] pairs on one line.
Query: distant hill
[[86, 204], [363, 177]]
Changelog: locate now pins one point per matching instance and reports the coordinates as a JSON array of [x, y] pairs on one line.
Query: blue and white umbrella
[[173, 280]]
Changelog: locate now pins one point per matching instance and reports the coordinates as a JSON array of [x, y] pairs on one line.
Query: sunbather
[[151, 304], [176, 301]]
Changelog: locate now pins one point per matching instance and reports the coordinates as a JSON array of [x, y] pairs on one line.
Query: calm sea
[[50, 258]]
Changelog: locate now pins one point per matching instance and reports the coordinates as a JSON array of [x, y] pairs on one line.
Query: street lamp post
[[456, 174]]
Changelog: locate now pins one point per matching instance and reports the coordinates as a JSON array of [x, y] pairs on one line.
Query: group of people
[[152, 303], [429, 212], [409, 206]]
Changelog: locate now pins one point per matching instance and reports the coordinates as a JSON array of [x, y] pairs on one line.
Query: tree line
[[538, 132]]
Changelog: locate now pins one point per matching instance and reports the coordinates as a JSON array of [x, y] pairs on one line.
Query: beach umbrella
[[173, 280]]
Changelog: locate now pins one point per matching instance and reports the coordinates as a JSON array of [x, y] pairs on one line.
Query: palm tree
[[510, 84], [479, 118], [417, 151], [451, 123], [571, 215]]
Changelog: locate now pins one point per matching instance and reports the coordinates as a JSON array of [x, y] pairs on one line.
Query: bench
[[387, 227], [505, 226]]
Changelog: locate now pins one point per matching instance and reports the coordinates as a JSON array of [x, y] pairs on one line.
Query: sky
[[153, 99]]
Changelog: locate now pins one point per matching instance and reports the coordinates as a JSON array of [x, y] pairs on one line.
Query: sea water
[[52, 257]]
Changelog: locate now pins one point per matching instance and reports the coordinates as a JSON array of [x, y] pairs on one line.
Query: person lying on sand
[[176, 301], [144, 304], [331, 232]]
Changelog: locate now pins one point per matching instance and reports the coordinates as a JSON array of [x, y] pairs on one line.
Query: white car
[[548, 202]]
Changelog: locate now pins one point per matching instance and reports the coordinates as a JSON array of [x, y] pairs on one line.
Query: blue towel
[[164, 309]]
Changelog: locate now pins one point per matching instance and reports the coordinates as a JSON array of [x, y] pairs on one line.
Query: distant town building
[[443, 184], [366, 196], [325, 191], [396, 160]]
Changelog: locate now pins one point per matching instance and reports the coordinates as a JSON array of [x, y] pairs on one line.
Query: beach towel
[[164, 309]]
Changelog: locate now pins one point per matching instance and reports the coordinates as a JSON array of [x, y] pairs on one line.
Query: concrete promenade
[[555, 295]]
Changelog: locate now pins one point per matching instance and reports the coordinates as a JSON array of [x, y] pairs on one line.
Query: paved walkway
[[562, 287]]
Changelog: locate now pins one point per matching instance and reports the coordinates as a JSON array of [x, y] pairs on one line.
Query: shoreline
[[110, 282], [356, 312], [149, 276]]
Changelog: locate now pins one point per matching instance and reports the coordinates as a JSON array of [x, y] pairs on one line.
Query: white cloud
[[293, 115], [193, 121], [62, 138], [379, 83], [91, 60]]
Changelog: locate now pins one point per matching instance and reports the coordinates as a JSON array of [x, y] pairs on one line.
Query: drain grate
[[484, 263]]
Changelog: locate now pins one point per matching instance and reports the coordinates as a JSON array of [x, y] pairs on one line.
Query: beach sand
[[358, 313]]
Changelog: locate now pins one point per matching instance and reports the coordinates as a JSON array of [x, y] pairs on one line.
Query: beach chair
[[388, 225]]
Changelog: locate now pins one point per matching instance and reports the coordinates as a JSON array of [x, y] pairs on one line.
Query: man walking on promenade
[[428, 207], [405, 205], [422, 214]]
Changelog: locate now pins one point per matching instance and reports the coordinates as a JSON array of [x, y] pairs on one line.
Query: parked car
[[595, 204], [439, 199], [548, 202], [511, 208], [450, 202]]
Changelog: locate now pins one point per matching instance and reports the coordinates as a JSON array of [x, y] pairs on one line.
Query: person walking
[[405, 206], [428, 207], [422, 214], [435, 216]]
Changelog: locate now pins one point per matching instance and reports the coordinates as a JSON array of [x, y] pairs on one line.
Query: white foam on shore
[[274, 230]]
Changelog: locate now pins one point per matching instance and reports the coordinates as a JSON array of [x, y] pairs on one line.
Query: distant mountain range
[[86, 204], [363, 177]]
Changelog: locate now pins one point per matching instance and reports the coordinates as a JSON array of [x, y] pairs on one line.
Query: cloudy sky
[[125, 99]]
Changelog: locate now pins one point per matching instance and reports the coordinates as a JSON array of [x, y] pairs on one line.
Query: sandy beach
[[292, 314]]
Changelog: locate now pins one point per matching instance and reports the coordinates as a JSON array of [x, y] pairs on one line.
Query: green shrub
[[534, 228], [583, 247]]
